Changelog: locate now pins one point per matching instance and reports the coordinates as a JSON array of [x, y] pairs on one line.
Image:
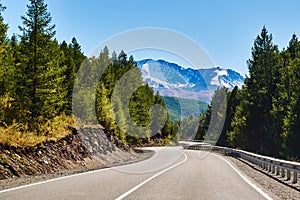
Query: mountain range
[[171, 79]]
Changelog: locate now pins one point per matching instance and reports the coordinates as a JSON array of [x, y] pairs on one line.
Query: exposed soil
[[83, 150]]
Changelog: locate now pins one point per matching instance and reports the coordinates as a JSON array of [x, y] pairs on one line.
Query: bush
[[21, 135]]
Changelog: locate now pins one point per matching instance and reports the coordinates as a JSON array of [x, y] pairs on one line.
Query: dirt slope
[[83, 149]]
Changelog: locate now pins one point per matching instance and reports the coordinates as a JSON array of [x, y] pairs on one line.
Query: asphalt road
[[172, 173]]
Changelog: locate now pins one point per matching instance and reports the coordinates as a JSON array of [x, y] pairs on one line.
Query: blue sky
[[225, 28]]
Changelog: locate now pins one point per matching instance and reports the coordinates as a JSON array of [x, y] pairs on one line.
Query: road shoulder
[[272, 187]]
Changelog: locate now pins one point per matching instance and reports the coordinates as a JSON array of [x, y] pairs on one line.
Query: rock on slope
[[83, 149]]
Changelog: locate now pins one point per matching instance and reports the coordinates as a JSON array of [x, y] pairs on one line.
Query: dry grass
[[19, 135]]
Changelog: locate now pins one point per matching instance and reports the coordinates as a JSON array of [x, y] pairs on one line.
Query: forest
[[263, 116], [40, 79]]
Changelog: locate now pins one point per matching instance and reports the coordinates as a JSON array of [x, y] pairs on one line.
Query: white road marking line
[[120, 168], [149, 179], [259, 190], [51, 180], [147, 160]]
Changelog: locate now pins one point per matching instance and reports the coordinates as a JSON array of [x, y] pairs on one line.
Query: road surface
[[171, 173]]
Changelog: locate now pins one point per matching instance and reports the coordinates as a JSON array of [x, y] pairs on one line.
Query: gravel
[[276, 187]]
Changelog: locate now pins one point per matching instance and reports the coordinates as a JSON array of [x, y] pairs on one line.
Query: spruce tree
[[253, 125], [104, 108], [41, 73], [7, 71], [232, 103], [289, 101], [6, 58]]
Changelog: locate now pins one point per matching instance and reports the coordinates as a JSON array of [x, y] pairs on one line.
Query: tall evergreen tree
[[104, 108], [7, 70], [293, 47], [253, 119], [289, 102], [6, 59], [72, 58], [40, 74], [232, 103]]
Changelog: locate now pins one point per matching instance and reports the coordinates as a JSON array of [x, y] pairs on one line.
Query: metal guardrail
[[276, 167]]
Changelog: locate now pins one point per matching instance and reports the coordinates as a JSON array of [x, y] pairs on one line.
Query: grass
[[19, 135]]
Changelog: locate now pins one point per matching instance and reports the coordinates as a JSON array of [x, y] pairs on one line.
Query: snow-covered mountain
[[171, 79]]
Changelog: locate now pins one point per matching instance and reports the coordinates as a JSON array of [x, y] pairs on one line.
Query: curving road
[[172, 173]]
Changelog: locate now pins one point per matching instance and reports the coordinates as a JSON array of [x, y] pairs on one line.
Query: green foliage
[[21, 134], [188, 128], [291, 121], [233, 101], [124, 104], [72, 58], [104, 108], [41, 72], [36, 77], [263, 116], [181, 108], [40, 80], [6, 58], [212, 121], [266, 118], [253, 119]]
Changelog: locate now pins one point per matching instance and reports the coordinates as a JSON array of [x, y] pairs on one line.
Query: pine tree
[[159, 117], [293, 47], [289, 103], [120, 118], [72, 58], [217, 115], [41, 73], [232, 103], [204, 121], [104, 108], [6, 59], [253, 125], [7, 70]]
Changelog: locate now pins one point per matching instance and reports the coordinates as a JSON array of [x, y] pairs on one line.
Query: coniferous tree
[[159, 123], [289, 100], [40, 74], [253, 118], [293, 47], [72, 58], [7, 70], [232, 103], [204, 121], [6, 59], [104, 108]]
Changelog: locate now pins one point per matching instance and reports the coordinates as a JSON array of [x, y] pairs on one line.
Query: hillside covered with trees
[[40, 79], [37, 76], [264, 116]]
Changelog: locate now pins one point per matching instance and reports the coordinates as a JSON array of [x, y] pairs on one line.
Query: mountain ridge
[[171, 79]]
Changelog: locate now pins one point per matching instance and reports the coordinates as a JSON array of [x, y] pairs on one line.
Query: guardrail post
[[277, 170], [273, 169], [259, 164], [288, 175], [295, 177], [282, 172]]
